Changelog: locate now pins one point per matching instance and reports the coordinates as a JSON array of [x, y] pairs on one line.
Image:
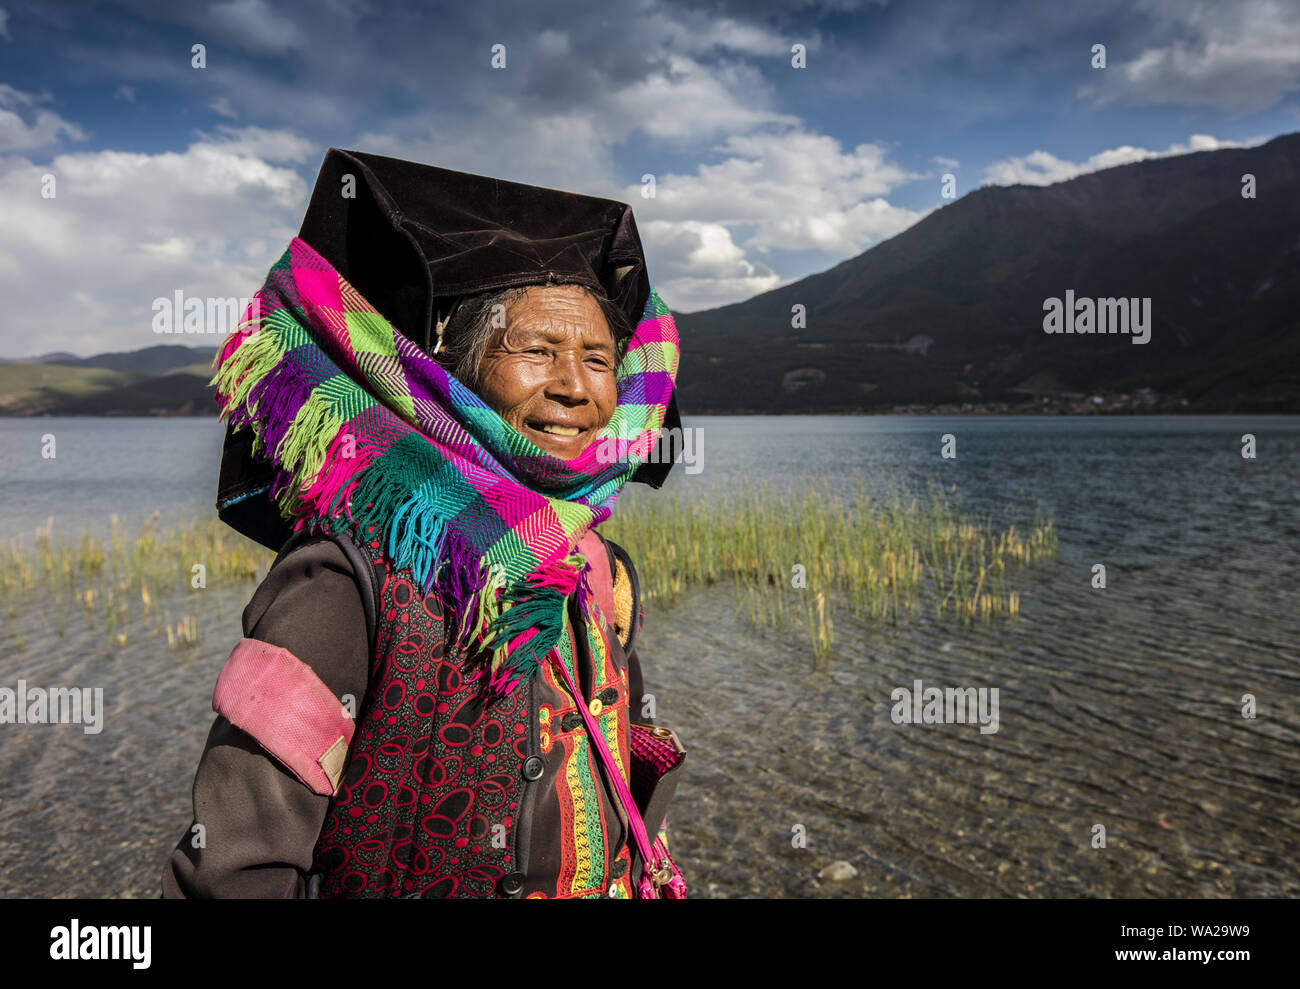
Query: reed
[[802, 557], [123, 584], [789, 559]]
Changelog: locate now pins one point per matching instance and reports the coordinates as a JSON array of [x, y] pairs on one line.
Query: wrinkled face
[[550, 373]]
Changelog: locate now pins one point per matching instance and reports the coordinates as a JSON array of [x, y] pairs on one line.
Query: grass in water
[[123, 583], [790, 559], [798, 558]]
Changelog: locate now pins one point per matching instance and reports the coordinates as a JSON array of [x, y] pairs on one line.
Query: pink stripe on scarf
[[339, 473]]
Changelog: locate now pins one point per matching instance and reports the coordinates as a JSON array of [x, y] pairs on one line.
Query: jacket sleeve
[[259, 823]]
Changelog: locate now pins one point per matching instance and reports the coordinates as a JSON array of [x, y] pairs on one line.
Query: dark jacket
[[262, 825]]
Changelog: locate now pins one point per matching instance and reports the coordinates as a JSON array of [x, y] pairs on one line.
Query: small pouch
[[657, 759]]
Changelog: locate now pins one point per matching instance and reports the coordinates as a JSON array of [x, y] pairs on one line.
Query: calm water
[[1118, 707]]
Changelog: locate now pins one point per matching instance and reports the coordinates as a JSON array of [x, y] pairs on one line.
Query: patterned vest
[[450, 793]]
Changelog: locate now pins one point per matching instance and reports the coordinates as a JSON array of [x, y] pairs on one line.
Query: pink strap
[[600, 580], [276, 698], [649, 863]]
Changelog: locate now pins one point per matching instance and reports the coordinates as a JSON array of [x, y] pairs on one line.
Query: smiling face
[[550, 373]]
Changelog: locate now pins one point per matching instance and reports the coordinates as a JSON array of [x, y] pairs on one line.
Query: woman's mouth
[[560, 438]]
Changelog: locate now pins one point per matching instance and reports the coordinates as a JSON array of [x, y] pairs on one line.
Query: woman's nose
[[568, 379]]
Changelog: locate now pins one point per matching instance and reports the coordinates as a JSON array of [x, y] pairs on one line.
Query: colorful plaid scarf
[[363, 427]]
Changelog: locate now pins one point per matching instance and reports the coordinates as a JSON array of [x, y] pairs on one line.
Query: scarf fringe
[[251, 356], [519, 624]]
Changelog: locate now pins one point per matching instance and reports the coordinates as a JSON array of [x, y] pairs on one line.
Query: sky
[[170, 177]]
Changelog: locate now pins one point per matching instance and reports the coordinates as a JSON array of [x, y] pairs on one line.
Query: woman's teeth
[[561, 430]]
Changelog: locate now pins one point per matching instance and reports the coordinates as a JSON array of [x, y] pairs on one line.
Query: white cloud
[[789, 191], [221, 106], [1044, 168], [254, 26], [512, 133], [126, 228], [259, 142], [692, 101], [125, 92], [9, 96], [700, 32], [45, 128], [695, 265], [800, 191], [552, 44], [1242, 56], [563, 151]]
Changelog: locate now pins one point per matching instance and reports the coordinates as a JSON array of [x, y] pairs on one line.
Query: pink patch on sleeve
[[276, 698]]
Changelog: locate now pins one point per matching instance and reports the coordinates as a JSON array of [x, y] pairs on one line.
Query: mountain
[[150, 360], [56, 355], [164, 380], [951, 310]]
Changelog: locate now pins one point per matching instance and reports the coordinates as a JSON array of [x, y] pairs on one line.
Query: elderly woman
[[440, 390]]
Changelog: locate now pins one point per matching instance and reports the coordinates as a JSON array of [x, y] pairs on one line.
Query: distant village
[[1057, 403]]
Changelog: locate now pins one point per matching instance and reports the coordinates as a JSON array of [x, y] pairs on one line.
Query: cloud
[[126, 228], [4, 24], [1242, 56], [46, 126], [253, 26], [221, 106], [564, 151], [259, 143], [696, 265], [125, 92], [1044, 168], [552, 118], [698, 32], [691, 101], [786, 191], [799, 191]]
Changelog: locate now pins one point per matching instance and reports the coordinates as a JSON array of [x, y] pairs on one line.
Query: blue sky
[[171, 177]]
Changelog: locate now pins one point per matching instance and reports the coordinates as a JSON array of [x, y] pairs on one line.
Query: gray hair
[[470, 332]]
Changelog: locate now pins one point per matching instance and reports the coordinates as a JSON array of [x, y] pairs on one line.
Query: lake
[[1120, 708]]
